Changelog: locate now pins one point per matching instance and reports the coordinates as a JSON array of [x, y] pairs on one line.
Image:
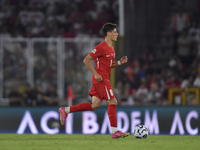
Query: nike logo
[[107, 55]]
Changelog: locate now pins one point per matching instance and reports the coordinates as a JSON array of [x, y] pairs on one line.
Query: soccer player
[[104, 55]]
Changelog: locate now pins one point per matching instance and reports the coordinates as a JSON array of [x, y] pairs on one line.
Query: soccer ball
[[141, 132]]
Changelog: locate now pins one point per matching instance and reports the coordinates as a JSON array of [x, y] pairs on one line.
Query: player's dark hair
[[108, 27]]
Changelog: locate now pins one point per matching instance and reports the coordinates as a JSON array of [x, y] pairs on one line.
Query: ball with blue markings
[[141, 132]]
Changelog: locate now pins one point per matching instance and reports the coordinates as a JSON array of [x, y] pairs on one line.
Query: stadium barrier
[[159, 120], [183, 93]]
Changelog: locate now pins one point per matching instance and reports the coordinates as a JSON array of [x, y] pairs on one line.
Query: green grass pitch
[[96, 142]]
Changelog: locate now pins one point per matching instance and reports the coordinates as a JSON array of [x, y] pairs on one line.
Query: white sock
[[67, 110], [114, 129]]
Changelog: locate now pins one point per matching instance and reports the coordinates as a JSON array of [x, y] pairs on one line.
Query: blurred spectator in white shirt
[[197, 81], [187, 82], [36, 16], [50, 5], [141, 94], [24, 16], [180, 21], [100, 4], [93, 13], [184, 45], [194, 32], [154, 95]]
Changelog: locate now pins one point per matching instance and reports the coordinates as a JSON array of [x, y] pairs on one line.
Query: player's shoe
[[63, 115], [119, 134]]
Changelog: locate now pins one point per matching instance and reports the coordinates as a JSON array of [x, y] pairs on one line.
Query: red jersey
[[104, 56]]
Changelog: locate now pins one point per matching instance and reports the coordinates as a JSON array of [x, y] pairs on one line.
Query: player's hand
[[124, 60], [98, 77]]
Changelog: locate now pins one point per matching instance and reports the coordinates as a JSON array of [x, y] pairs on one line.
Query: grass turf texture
[[96, 142]]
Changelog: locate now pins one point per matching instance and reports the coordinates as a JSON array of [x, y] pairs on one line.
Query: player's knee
[[112, 101], [95, 107]]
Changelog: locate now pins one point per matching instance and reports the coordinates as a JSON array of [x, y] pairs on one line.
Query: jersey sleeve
[[96, 52]]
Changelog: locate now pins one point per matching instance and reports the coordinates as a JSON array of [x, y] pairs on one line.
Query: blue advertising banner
[[159, 120]]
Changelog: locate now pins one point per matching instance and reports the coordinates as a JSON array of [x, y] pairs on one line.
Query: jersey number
[[111, 92]]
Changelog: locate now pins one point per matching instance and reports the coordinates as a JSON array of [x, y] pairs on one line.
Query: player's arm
[[87, 62], [123, 60]]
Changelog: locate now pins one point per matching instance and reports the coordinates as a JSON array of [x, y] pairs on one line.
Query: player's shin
[[112, 117]]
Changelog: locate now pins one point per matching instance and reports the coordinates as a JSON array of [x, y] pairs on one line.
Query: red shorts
[[102, 90]]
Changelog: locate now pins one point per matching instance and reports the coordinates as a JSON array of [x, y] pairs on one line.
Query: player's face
[[114, 34]]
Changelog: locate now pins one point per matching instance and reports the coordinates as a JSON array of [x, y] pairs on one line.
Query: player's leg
[[112, 105], [94, 105], [64, 111], [96, 102]]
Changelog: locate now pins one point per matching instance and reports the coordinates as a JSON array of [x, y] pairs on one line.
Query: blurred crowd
[[55, 18], [147, 79], [26, 96]]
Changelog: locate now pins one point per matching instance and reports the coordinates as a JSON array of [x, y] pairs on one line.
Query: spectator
[[69, 33], [103, 16], [88, 5], [76, 14], [115, 9], [91, 24], [15, 97], [194, 34], [36, 16], [141, 94], [40, 97], [51, 96], [4, 33], [118, 91], [92, 13], [154, 95], [173, 62], [24, 16], [100, 4], [82, 33], [150, 56], [184, 44], [50, 5], [29, 96], [160, 82], [179, 21], [78, 25], [17, 34], [196, 82], [33, 29], [172, 82], [133, 82], [129, 95], [196, 64], [188, 83], [36, 3]]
